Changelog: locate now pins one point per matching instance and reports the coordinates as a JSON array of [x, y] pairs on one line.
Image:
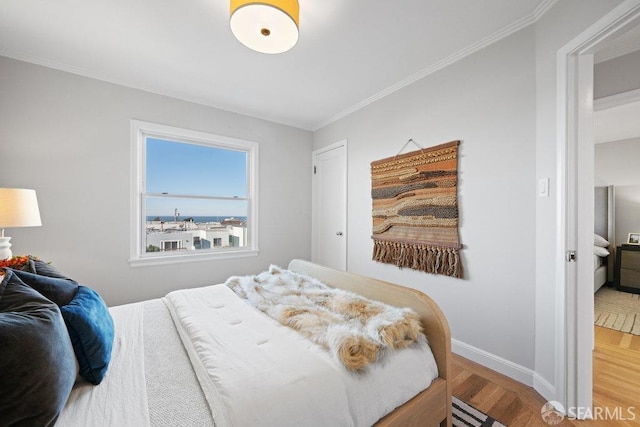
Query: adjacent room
[[196, 196], [617, 216]]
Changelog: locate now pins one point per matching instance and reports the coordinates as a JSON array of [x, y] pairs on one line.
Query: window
[[171, 245], [193, 195]]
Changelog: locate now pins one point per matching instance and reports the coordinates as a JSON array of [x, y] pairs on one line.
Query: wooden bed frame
[[431, 407]]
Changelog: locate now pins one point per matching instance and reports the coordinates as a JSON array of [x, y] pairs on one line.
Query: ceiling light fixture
[[265, 26]]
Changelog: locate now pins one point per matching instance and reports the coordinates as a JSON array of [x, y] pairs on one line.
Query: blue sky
[[197, 170]]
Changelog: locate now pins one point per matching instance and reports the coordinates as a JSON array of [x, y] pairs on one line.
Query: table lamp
[[18, 208]]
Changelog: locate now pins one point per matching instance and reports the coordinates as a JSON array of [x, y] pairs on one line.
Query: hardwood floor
[[616, 387]]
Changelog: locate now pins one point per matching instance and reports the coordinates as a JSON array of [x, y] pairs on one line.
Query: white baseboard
[[544, 387], [497, 363]]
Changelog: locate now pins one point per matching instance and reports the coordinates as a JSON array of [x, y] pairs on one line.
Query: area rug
[[465, 415], [415, 210], [617, 310]]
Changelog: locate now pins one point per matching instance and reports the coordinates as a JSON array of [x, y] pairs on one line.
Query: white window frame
[[140, 130]]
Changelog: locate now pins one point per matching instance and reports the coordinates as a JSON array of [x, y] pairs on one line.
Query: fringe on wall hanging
[[415, 210]]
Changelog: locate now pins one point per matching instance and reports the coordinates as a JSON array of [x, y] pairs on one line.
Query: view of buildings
[[194, 233]]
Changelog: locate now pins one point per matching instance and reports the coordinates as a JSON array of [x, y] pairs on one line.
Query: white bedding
[[597, 262], [600, 272], [267, 371], [121, 398], [255, 371]]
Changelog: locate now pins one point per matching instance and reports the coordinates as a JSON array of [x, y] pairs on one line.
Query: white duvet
[[255, 371], [121, 398]]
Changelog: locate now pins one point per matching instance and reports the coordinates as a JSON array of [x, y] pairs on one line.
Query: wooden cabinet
[[628, 268]]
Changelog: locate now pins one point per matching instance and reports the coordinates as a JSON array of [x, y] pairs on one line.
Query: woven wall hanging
[[415, 210]]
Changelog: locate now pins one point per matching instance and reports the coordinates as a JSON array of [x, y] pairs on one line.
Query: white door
[[329, 206]]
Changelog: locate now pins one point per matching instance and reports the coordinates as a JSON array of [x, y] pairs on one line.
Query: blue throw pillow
[[91, 330], [60, 291], [37, 366]]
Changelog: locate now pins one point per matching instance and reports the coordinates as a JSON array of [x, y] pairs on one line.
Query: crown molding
[[518, 25], [622, 49], [542, 8], [616, 100]]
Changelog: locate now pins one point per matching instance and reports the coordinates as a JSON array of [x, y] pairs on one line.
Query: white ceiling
[[349, 53]]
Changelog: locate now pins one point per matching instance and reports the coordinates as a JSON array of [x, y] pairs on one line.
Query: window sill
[[190, 257]]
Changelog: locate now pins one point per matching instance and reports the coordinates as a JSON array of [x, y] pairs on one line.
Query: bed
[[603, 235], [162, 371], [600, 269]]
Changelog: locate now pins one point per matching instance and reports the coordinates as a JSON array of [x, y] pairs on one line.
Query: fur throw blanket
[[354, 329]]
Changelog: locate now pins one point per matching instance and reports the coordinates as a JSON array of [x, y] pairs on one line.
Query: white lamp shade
[[265, 26], [19, 208]]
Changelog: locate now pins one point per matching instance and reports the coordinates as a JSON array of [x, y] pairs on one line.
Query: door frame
[[314, 236], [574, 373]]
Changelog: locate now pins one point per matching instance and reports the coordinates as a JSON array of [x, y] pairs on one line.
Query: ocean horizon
[[196, 218]]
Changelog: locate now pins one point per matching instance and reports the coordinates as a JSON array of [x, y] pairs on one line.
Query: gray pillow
[[37, 363], [60, 291], [37, 266]]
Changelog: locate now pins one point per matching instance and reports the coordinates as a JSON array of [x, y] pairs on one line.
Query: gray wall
[[69, 138], [559, 26], [501, 102], [617, 164], [617, 75], [488, 101]]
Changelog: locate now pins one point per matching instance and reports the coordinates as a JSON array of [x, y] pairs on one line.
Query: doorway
[[575, 145], [329, 206]]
